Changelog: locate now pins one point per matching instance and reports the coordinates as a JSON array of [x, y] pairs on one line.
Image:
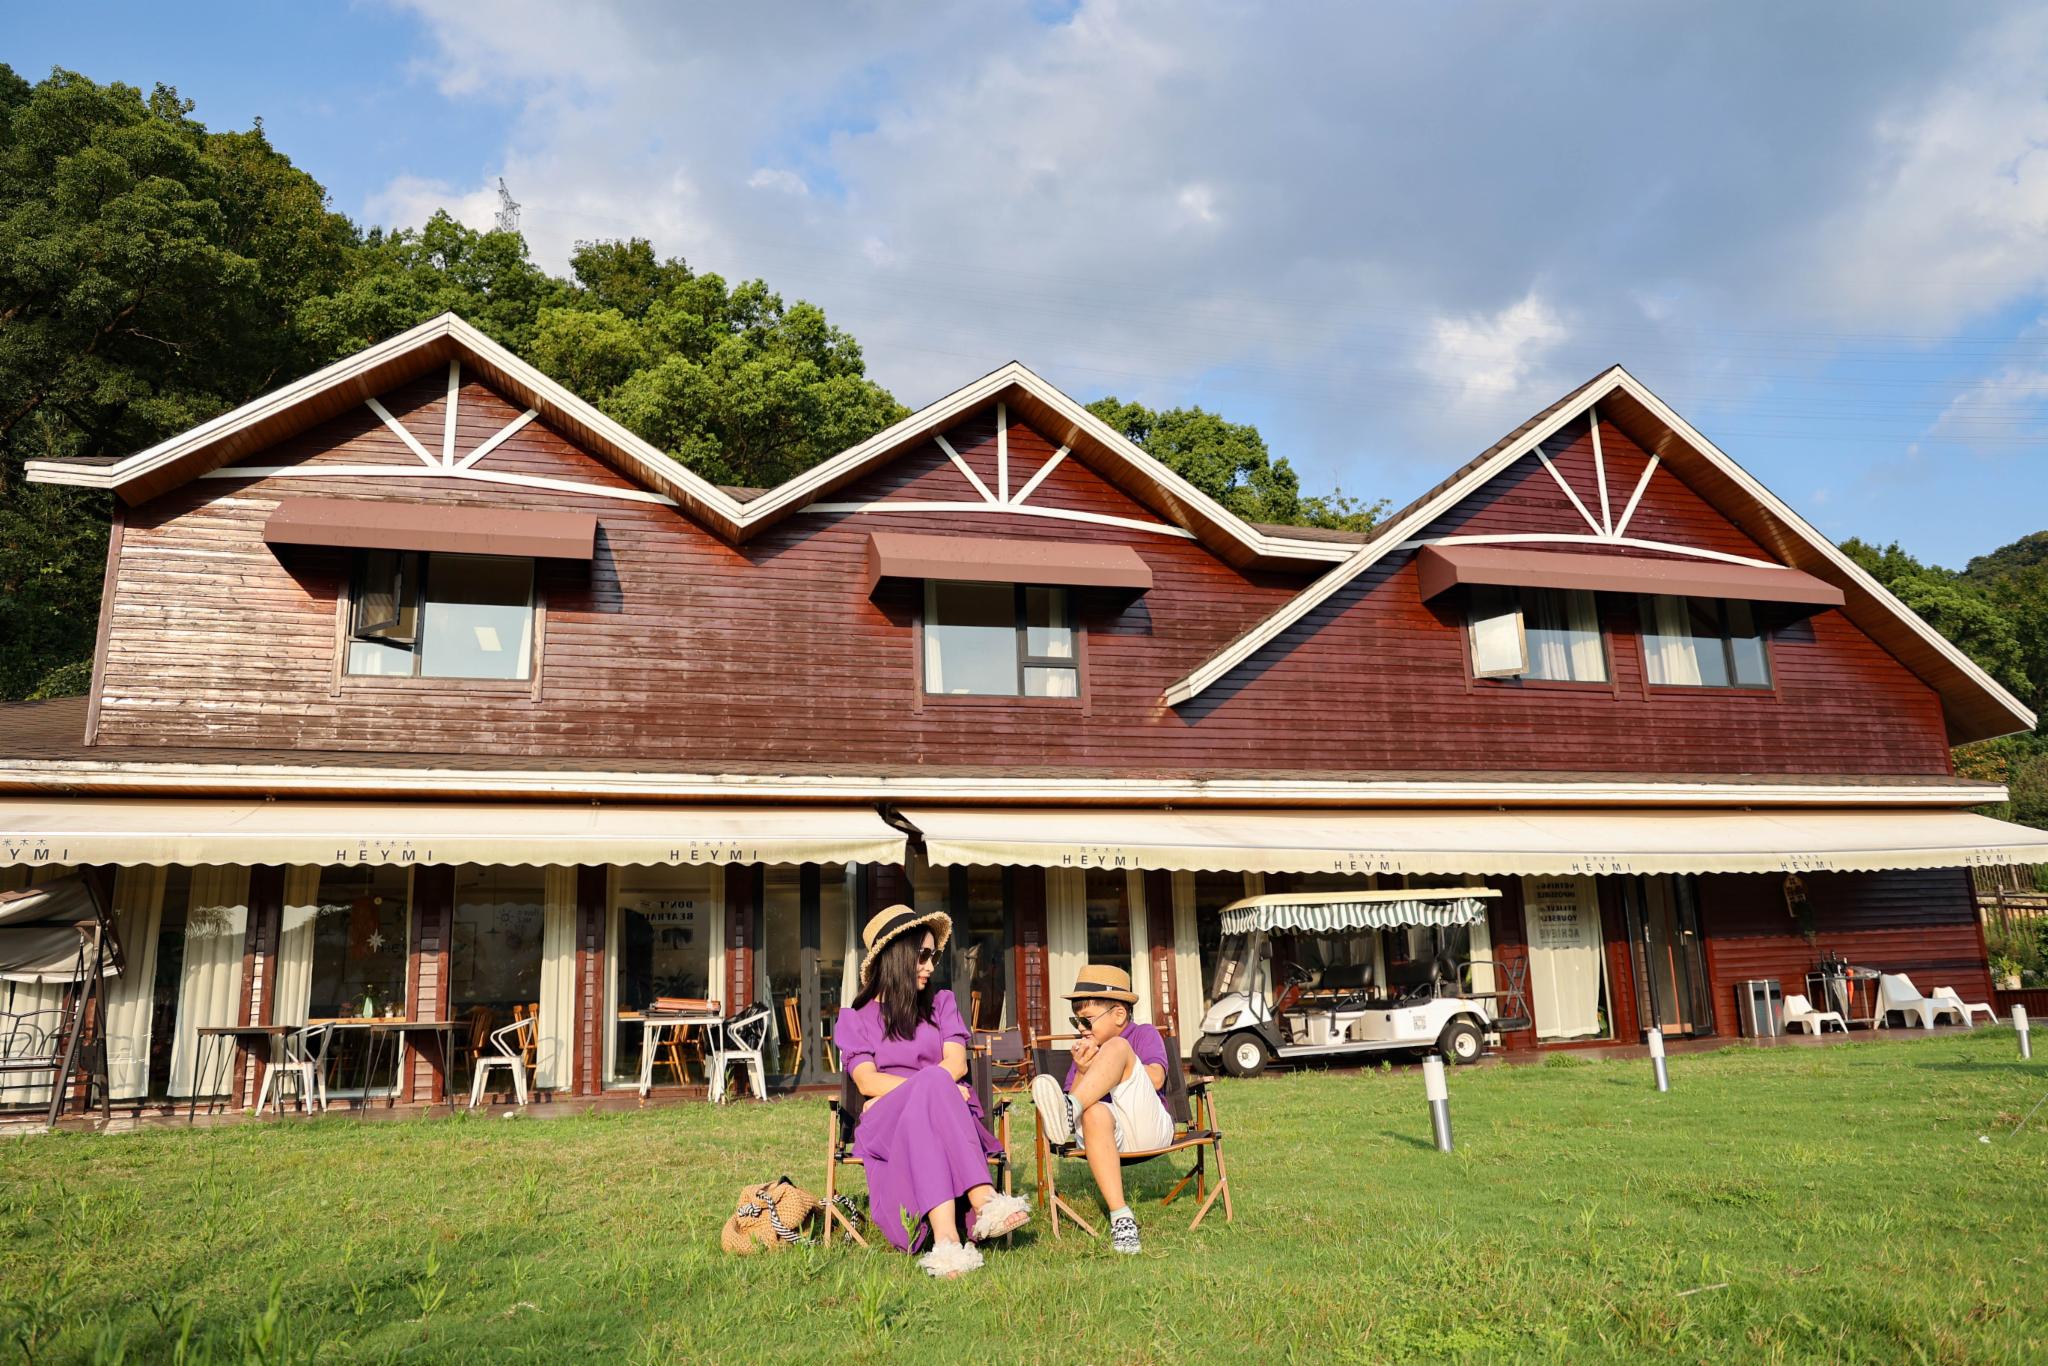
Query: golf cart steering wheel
[[1296, 980]]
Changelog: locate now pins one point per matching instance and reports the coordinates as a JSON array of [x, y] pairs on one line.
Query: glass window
[[1109, 918], [982, 923], [664, 929], [1213, 891], [1703, 643], [359, 941], [494, 955], [999, 640], [441, 616], [170, 972], [1550, 634]]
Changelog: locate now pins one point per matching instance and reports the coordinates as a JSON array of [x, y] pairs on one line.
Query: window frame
[[346, 636], [1522, 678], [1021, 636], [1645, 617]]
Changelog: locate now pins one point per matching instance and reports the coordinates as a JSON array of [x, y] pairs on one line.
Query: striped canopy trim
[[1357, 911]]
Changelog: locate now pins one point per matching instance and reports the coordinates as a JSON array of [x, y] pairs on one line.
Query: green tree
[[149, 274], [1953, 605], [1229, 462]]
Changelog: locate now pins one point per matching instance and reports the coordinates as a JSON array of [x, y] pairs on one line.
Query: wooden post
[[259, 973], [1034, 1000], [1160, 948], [426, 997], [592, 924]]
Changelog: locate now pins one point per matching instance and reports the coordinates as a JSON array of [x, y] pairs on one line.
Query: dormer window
[[999, 640], [416, 614], [1703, 643], [1546, 634]]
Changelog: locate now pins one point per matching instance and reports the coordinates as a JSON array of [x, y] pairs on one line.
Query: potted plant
[[2005, 973]]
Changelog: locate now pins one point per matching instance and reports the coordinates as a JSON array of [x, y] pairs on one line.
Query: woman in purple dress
[[921, 1135]]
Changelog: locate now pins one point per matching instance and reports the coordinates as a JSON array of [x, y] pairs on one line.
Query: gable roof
[[733, 513], [1975, 705]]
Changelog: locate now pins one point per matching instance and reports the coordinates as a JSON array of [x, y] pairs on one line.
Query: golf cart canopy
[[1336, 912]]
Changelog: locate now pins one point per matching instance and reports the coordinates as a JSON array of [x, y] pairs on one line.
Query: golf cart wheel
[[1461, 1042], [1244, 1055]]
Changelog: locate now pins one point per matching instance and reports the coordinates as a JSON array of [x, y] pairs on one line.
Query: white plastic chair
[[1969, 1008], [510, 1045], [1799, 1011], [740, 1039], [303, 1067], [1895, 991]]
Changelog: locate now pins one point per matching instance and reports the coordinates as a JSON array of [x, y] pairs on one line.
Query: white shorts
[[1142, 1123]]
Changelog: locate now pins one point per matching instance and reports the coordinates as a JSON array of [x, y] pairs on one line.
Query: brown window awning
[[1444, 567], [975, 559], [359, 524]]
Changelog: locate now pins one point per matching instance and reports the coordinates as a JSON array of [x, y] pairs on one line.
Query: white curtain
[[1549, 656], [138, 917], [849, 978], [1066, 936], [210, 992], [1670, 653], [556, 1034], [1562, 916], [292, 981], [1141, 949], [1589, 661], [1189, 990]]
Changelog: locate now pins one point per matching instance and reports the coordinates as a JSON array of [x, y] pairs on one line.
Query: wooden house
[[422, 680]]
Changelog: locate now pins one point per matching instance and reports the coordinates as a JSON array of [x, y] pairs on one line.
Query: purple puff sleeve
[[854, 1037], [946, 1015], [1146, 1043]]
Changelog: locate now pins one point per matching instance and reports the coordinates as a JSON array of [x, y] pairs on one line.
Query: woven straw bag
[[771, 1215]]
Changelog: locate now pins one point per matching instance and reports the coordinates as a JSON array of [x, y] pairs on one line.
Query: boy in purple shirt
[[1112, 1090]]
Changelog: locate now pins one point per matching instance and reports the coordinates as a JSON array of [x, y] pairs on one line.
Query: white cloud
[[1991, 412], [781, 182], [1332, 223], [1493, 356]]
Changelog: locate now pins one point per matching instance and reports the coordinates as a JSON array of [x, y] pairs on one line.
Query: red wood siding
[[1159, 949], [1923, 924], [675, 646], [433, 915], [593, 914], [1034, 992]]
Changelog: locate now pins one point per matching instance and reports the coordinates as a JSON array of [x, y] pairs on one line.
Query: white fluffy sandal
[[948, 1260], [1002, 1214]]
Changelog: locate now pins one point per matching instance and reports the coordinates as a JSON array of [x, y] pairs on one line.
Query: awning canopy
[[356, 524], [39, 932], [1441, 568], [986, 559], [1443, 907], [1535, 841], [52, 832]]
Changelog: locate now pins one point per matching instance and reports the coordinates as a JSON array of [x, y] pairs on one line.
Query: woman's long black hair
[[894, 983]]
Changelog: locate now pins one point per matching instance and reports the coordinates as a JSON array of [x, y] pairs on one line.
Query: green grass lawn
[[1794, 1204]]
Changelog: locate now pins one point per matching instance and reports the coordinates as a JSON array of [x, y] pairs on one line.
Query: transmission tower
[[508, 209]]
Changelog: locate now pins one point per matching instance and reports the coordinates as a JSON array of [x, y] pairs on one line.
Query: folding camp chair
[[845, 1118], [1193, 1109], [1009, 1058]]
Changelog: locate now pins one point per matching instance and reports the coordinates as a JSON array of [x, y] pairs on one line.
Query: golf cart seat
[[1193, 1110]]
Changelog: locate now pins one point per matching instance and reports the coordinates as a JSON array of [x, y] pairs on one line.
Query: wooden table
[[379, 1029], [213, 1042], [651, 1035]]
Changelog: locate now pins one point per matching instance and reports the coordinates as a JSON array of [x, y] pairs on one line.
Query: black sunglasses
[[1086, 1022], [927, 956]]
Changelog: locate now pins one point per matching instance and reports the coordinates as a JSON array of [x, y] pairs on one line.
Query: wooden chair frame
[[1193, 1108], [843, 1118]]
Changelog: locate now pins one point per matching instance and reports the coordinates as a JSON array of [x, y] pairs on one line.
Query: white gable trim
[[1370, 554], [1221, 664]]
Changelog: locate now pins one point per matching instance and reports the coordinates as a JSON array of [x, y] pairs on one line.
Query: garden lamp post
[[1657, 1067], [1439, 1100]]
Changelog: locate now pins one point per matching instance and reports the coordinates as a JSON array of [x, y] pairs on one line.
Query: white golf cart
[[1343, 988]]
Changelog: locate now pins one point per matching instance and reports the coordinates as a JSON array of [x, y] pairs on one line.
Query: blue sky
[[1384, 235]]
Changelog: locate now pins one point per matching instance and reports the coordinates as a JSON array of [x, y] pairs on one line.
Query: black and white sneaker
[[1055, 1110], [1123, 1234]]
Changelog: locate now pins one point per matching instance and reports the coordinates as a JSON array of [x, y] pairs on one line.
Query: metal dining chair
[[739, 1039], [507, 1050], [303, 1067]]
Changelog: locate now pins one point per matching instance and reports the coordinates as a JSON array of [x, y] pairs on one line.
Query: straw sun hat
[[1101, 982], [897, 920]]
